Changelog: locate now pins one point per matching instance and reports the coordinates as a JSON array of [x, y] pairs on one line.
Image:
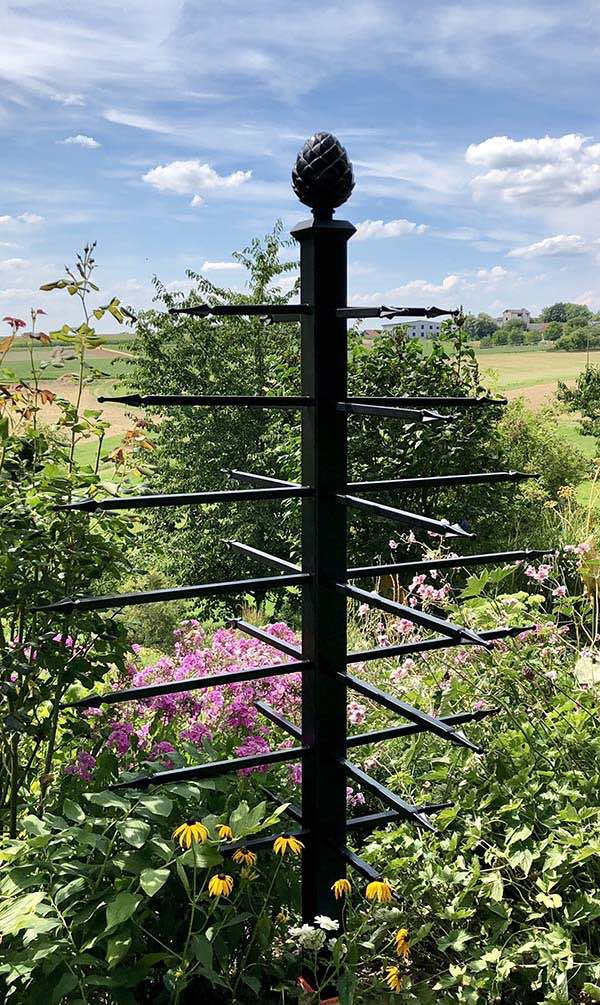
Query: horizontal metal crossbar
[[427, 723], [406, 810], [279, 720], [214, 768], [395, 312], [387, 412], [413, 614], [190, 684], [264, 841], [263, 556], [269, 640], [222, 400], [254, 479], [422, 565], [176, 593], [429, 401], [393, 732], [441, 481], [427, 645], [187, 499], [442, 527], [371, 821], [244, 310]]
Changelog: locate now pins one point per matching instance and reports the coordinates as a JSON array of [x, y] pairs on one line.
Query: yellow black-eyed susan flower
[[341, 888], [225, 832], [190, 832], [393, 979], [244, 856], [285, 843], [380, 890], [220, 885], [401, 943]]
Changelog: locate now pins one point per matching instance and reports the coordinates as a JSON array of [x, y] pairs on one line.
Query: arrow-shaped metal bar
[[279, 720], [427, 645], [393, 732], [423, 565], [269, 640], [190, 684], [371, 821], [220, 400], [244, 310], [214, 768], [413, 614], [428, 401], [406, 810], [176, 593], [254, 479], [263, 556], [387, 412], [265, 841], [186, 499], [441, 481], [366, 870], [395, 312], [291, 810], [442, 527], [428, 723]]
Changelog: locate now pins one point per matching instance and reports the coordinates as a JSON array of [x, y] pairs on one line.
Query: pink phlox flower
[[560, 591], [82, 766], [253, 745], [357, 713]]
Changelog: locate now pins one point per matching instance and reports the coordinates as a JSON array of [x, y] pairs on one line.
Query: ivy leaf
[[151, 880]]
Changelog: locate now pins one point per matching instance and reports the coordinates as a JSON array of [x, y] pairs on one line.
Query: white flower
[[327, 924], [307, 937]]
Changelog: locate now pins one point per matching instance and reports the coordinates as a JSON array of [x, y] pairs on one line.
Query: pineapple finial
[[322, 177]]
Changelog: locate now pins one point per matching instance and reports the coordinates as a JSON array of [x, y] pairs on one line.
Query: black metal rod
[[191, 684], [256, 844], [279, 720], [380, 511], [493, 558], [435, 401], [244, 310], [176, 593], [407, 810], [413, 614], [393, 732], [427, 645], [395, 312], [263, 556], [365, 870], [186, 499], [371, 821], [427, 722], [387, 412], [220, 400], [441, 481], [269, 640], [214, 768], [291, 810], [253, 479]]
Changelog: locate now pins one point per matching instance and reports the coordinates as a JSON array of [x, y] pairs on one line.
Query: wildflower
[[220, 884], [307, 937], [225, 832], [341, 888], [285, 843], [380, 890], [363, 610], [393, 979], [189, 832], [392, 545], [327, 924], [357, 713], [401, 943], [560, 591], [248, 873], [244, 856]]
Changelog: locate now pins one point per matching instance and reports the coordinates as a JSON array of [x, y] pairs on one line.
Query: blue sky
[[166, 131]]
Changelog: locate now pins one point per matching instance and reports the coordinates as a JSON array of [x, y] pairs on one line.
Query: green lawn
[[531, 367]]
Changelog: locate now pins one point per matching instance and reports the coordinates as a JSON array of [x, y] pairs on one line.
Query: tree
[[514, 332], [556, 312], [584, 398], [481, 326], [553, 331]]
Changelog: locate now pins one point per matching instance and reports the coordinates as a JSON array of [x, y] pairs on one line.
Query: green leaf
[[151, 880], [135, 832], [160, 805], [73, 812], [18, 914], [108, 800], [121, 908], [116, 948], [592, 991]]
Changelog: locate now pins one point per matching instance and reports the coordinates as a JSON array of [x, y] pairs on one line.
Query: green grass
[[87, 450], [529, 368]]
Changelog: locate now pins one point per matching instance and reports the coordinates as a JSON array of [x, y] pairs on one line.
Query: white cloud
[[9, 264], [560, 244], [31, 218], [493, 275], [220, 266], [188, 177], [196, 201], [393, 228], [81, 141], [4, 220], [134, 121], [551, 171], [68, 100]]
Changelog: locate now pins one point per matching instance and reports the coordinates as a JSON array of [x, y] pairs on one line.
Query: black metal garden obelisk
[[323, 180]]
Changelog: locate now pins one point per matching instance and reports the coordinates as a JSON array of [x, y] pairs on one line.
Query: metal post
[[323, 271]]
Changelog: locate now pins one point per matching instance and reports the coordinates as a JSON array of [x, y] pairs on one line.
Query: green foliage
[[480, 326], [562, 312], [584, 398]]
